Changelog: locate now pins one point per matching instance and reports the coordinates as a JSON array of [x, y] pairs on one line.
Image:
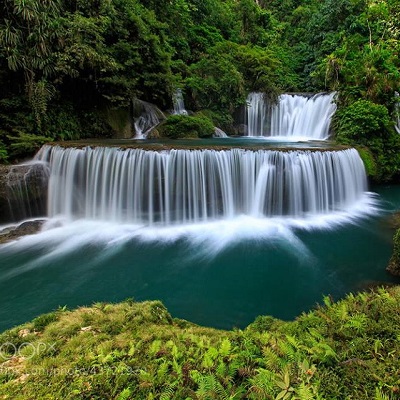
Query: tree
[[29, 34]]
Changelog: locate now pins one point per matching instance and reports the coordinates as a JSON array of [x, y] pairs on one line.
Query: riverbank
[[137, 350]]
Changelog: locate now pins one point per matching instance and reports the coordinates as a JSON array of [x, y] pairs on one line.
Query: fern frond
[[379, 395], [304, 392]]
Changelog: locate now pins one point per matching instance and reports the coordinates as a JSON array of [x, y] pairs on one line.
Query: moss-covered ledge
[[394, 262], [135, 350]]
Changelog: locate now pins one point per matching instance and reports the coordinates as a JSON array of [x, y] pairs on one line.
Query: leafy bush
[[24, 144], [362, 122], [368, 124], [3, 152], [182, 126]]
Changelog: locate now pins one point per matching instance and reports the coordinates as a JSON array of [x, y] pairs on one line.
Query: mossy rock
[[183, 126], [368, 159], [394, 262]]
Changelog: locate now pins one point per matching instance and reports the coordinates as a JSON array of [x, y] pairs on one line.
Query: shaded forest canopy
[[63, 64]]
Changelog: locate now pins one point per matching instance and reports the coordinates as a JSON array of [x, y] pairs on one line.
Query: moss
[[348, 349], [368, 159], [394, 262], [183, 126]]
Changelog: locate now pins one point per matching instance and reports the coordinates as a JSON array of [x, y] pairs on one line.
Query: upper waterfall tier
[[292, 116], [188, 186]]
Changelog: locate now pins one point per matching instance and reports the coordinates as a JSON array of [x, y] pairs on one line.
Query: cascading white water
[[256, 115], [179, 105], [190, 186], [147, 117], [397, 113], [293, 116], [219, 133]]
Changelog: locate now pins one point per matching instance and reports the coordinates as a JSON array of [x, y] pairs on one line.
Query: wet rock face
[[4, 204], [23, 191]]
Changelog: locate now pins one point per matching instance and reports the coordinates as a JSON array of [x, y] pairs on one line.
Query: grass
[[345, 350]]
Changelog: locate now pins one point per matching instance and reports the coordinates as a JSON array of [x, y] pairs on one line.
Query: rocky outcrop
[[14, 232], [23, 191]]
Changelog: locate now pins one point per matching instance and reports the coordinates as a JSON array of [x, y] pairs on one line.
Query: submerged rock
[[394, 220], [25, 228]]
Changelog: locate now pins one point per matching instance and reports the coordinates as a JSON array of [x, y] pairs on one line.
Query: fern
[[341, 311], [304, 392], [125, 394], [225, 348], [379, 395], [167, 394], [262, 385], [357, 323], [271, 359], [155, 347]]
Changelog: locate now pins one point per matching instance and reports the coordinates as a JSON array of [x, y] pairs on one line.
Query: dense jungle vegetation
[[67, 67], [64, 64]]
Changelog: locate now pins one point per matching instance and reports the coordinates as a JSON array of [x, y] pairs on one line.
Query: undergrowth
[[344, 350]]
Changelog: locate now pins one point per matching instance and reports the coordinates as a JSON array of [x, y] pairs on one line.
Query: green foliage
[[3, 153], [348, 349], [39, 323], [182, 126], [220, 119], [87, 56], [24, 144], [369, 162], [368, 124], [362, 122], [222, 79], [394, 262]]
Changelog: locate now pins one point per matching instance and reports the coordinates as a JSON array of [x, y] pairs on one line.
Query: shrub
[[182, 126], [362, 122], [3, 152], [368, 124]]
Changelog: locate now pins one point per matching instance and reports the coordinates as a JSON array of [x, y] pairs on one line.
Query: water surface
[[221, 275]]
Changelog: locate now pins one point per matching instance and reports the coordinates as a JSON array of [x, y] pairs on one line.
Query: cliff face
[[4, 204], [23, 191]]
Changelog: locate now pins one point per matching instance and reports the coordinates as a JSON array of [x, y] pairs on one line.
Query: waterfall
[[190, 186], [27, 190], [256, 115], [293, 116], [219, 133], [397, 113], [146, 117], [179, 105]]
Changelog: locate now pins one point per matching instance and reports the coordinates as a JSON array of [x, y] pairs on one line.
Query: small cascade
[[146, 117], [179, 105], [191, 186], [293, 116], [27, 190], [219, 133], [256, 115], [397, 113]]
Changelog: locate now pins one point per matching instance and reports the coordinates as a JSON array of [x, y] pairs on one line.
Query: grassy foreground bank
[[344, 350]]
